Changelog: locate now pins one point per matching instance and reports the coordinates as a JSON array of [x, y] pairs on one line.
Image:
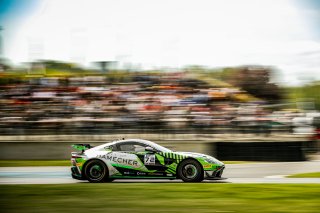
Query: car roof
[[124, 141], [149, 143], [133, 139]]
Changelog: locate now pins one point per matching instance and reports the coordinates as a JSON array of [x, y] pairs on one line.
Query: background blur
[[226, 78]]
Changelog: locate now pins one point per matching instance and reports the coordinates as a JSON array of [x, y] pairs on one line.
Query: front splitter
[[215, 178]]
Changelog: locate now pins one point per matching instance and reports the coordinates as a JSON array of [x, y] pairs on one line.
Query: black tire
[[96, 171], [190, 171]]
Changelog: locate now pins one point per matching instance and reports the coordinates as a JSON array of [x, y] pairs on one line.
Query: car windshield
[[158, 147]]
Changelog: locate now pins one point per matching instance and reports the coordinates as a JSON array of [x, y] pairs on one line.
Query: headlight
[[209, 160], [213, 161]]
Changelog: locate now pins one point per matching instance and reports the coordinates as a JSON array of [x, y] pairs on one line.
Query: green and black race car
[[136, 158]]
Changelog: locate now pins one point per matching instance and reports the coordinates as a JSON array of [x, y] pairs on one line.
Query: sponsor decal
[[119, 160], [149, 159], [156, 174], [128, 173], [141, 173], [79, 164], [207, 166]]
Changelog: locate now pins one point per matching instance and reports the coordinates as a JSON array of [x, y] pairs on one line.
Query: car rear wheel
[[190, 171], [96, 171]]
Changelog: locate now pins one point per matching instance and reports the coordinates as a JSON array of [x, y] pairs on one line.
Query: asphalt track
[[235, 173]]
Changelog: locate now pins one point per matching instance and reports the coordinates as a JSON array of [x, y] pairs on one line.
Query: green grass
[[160, 197], [15, 163], [306, 175]]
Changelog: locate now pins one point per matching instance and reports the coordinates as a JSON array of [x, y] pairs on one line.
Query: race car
[[137, 158]]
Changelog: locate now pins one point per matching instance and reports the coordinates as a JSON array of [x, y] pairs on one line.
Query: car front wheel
[[190, 171]]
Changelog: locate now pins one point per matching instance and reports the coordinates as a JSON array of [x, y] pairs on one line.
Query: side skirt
[[141, 177]]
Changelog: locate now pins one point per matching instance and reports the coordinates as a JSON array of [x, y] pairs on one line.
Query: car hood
[[200, 155]]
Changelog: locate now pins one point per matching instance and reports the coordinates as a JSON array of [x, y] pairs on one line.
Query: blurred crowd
[[147, 103]]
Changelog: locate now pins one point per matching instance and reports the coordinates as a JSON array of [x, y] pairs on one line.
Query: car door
[[123, 160], [148, 164]]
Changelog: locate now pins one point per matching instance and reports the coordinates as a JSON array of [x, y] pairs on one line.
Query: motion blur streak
[[60, 98]]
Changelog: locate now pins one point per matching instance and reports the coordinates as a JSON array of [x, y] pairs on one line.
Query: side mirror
[[108, 148], [150, 149]]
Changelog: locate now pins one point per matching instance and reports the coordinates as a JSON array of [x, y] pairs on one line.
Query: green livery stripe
[[171, 169], [121, 166], [171, 155], [160, 159], [172, 166], [117, 174], [138, 159]]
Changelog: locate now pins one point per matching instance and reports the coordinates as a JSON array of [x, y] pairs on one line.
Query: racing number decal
[[149, 159]]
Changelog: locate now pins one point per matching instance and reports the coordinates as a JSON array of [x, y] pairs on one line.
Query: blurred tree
[[310, 91], [52, 64], [105, 66], [253, 79]]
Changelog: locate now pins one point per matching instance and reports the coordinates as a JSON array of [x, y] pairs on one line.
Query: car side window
[[131, 147]]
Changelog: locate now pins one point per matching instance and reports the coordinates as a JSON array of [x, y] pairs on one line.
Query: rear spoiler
[[82, 146]]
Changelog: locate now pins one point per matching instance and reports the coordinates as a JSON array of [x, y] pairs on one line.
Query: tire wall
[[261, 151]]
